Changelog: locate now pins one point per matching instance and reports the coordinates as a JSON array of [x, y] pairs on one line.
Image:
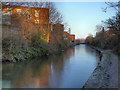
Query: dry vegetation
[[19, 43], [109, 39]]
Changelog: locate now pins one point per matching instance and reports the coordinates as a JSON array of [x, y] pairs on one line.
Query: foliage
[[105, 40], [11, 48], [114, 23], [109, 39], [39, 45], [89, 39], [23, 39]]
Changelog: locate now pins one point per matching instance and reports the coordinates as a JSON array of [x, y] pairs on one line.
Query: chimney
[[69, 31], [103, 29], [119, 7]]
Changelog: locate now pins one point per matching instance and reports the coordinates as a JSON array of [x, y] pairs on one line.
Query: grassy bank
[[16, 49]]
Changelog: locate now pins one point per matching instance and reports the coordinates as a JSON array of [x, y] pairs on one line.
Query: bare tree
[[115, 5], [114, 22], [99, 28]]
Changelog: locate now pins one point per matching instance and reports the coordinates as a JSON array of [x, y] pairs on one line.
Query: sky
[[82, 17]]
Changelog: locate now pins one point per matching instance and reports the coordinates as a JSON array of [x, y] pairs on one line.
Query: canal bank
[[69, 69], [105, 74], [29, 53]]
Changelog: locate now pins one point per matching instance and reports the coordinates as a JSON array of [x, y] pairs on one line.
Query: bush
[[105, 40], [39, 45]]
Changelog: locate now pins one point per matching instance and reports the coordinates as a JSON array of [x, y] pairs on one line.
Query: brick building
[[38, 16], [69, 36], [56, 33], [72, 36]]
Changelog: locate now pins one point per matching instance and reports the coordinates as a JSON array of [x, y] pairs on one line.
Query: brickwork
[[69, 36], [43, 13], [40, 16], [40, 21], [56, 35], [72, 36]]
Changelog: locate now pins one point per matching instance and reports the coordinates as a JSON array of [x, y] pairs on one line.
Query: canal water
[[69, 69]]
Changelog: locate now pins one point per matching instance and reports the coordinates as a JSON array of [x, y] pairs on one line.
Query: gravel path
[[106, 73]]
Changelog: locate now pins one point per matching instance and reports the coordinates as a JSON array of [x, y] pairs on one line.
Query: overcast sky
[[82, 17]]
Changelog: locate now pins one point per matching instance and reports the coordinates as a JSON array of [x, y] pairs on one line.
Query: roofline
[[26, 7]]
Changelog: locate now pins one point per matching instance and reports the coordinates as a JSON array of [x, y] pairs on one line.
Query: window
[[19, 11], [29, 16], [6, 18], [37, 21], [6, 12], [36, 13]]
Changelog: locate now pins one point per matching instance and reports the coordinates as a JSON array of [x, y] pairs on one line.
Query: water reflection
[[70, 69]]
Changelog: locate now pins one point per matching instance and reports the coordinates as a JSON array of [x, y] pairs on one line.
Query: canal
[[69, 69]]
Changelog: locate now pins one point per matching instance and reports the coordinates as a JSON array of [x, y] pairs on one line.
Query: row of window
[[19, 11], [36, 12], [6, 13]]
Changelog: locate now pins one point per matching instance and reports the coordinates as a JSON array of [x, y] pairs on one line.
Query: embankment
[[37, 51], [106, 73]]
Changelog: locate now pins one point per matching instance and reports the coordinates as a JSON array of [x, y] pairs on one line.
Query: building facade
[[38, 16], [69, 36], [40, 23]]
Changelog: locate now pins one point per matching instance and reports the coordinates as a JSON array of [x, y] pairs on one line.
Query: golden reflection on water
[[53, 71], [28, 80]]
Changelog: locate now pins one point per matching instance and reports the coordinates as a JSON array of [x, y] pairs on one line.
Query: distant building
[[72, 36], [69, 36], [56, 34], [66, 35]]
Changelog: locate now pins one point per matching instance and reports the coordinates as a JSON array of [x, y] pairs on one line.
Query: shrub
[[39, 45]]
